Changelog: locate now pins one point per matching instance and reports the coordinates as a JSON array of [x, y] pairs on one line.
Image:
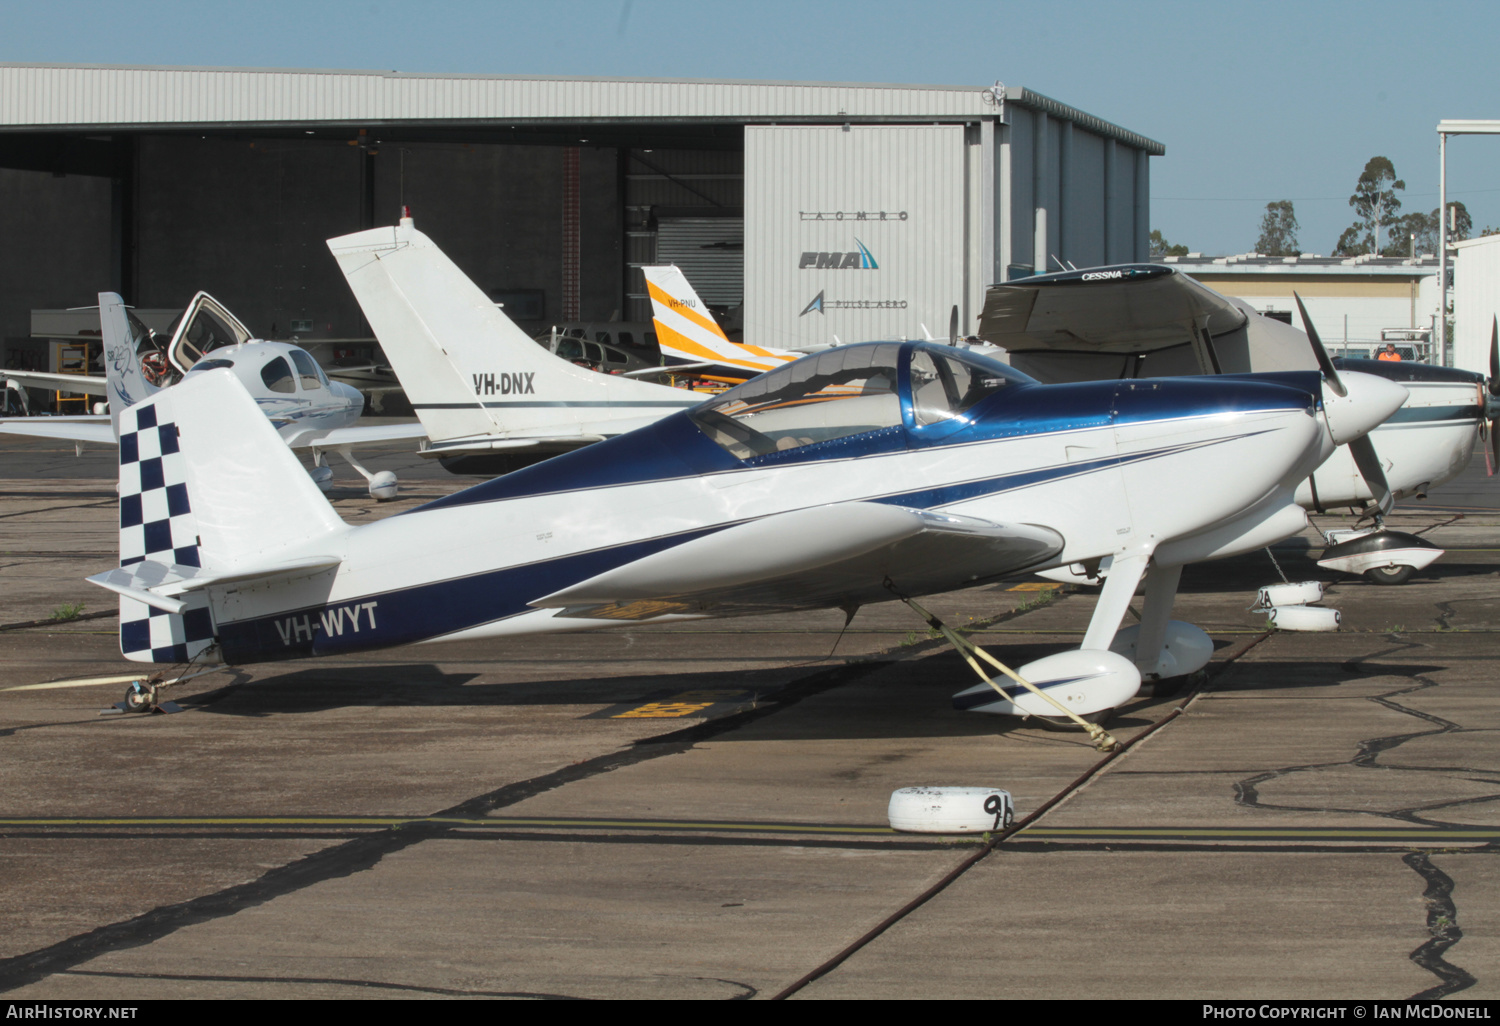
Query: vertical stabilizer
[[466, 367], [207, 489], [686, 330], [122, 366]]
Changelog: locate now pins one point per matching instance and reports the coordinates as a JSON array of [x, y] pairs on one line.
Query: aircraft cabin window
[[613, 355], [570, 349], [307, 368], [602, 337], [593, 353], [278, 376], [841, 392], [211, 364], [944, 386], [626, 339]]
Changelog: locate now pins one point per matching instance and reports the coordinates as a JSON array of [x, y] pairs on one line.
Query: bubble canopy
[[848, 391]]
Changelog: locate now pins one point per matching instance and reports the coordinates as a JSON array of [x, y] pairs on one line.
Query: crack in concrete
[[1442, 923], [1442, 914]]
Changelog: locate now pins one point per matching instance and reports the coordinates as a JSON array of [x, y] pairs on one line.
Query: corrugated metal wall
[[1086, 193], [1476, 302], [887, 203]]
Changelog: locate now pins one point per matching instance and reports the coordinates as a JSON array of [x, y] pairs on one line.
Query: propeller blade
[[1492, 403], [953, 327], [1325, 363], [1368, 462], [1494, 381]]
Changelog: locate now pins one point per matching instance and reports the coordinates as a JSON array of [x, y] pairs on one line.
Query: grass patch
[[67, 611]]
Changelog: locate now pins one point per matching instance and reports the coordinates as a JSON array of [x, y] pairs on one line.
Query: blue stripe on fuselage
[[674, 447], [426, 611]]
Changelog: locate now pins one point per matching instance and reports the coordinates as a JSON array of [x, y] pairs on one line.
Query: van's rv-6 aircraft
[[1135, 320], [306, 409], [863, 474]]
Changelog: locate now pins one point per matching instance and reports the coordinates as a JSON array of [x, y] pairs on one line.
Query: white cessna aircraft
[[489, 398], [307, 410], [1136, 320], [860, 475]]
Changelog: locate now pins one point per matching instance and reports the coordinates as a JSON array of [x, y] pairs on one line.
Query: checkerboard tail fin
[[208, 492]]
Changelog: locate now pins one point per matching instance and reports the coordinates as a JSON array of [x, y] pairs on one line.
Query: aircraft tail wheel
[[1390, 574], [140, 698]]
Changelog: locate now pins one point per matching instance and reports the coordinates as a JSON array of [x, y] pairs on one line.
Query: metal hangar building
[[820, 210]]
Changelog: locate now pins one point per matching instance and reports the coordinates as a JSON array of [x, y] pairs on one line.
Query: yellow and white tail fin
[[687, 331]]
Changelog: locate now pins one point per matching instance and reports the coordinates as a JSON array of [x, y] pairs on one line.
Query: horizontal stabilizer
[[836, 555], [158, 584]]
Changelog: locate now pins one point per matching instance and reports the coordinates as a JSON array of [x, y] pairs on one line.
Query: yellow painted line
[[487, 822], [1416, 835]]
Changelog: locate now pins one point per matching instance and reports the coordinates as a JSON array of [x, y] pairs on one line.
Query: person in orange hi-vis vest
[[1389, 353]]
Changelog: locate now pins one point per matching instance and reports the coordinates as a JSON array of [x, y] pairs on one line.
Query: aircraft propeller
[[953, 327], [1362, 449], [1492, 400]]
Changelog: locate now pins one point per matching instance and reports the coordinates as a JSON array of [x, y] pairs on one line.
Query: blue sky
[[1255, 101]]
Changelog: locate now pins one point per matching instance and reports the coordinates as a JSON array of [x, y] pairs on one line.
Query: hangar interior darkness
[[550, 220]]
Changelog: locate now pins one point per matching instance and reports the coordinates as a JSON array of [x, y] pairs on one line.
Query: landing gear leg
[[1102, 739]]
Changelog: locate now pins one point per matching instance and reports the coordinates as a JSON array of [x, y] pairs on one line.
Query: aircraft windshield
[[945, 385], [841, 392]]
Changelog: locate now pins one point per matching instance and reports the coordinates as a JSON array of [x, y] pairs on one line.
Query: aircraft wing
[[835, 555], [96, 429], [83, 384], [358, 434], [1128, 309], [1133, 320]]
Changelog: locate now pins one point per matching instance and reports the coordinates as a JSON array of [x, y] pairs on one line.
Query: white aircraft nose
[[1371, 400]]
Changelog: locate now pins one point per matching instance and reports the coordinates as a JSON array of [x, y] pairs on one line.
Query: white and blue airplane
[[306, 409], [863, 474]]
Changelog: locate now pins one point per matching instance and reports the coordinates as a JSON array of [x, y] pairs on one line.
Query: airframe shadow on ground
[[480, 820]]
